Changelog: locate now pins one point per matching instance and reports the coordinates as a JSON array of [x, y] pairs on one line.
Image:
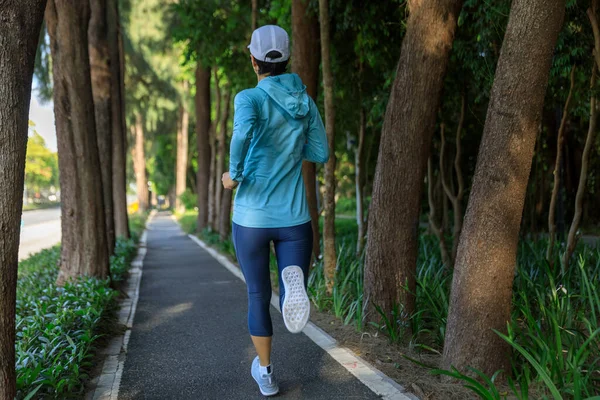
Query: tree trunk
[[19, 33], [182, 151], [433, 226], [213, 182], [582, 187], [225, 215], [221, 166], [483, 275], [139, 164], [202, 137], [306, 60], [101, 90], [329, 206], [557, 164], [119, 136], [358, 174], [84, 251], [254, 15], [408, 127]]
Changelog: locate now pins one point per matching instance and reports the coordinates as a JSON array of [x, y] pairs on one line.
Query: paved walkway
[[190, 340]]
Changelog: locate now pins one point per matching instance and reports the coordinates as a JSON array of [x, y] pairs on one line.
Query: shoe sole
[[296, 306]]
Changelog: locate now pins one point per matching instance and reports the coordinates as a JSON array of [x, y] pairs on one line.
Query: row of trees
[[87, 89], [443, 81], [477, 70]]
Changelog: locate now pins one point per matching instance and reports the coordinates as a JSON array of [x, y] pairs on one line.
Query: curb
[[106, 386], [370, 376]]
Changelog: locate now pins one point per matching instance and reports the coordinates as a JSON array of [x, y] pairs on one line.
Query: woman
[[276, 126]]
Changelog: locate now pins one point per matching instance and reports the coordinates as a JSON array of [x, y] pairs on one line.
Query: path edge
[[106, 385], [370, 376]]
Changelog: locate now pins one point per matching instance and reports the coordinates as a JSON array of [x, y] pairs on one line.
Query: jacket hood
[[288, 92]]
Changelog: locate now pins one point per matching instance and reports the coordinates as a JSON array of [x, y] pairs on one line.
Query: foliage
[[41, 166], [58, 327], [189, 199]]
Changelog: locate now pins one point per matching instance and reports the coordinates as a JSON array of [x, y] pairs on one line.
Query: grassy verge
[[58, 327], [554, 330], [42, 206]]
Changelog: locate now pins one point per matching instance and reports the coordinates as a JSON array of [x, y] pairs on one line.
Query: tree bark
[[358, 174], [202, 137], [225, 215], [408, 127], [221, 166], [254, 15], [573, 237], [19, 33], [329, 206], [182, 150], [101, 90], [139, 164], [213, 181], [119, 136], [84, 251], [306, 60], [557, 164], [481, 295]]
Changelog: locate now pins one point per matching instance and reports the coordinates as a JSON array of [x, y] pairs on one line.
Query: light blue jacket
[[275, 126]]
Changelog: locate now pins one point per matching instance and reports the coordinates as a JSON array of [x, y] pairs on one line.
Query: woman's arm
[[316, 149], [244, 118]]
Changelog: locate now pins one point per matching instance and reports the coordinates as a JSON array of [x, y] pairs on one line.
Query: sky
[[43, 117]]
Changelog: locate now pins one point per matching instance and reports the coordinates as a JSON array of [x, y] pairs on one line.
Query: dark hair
[[273, 69]]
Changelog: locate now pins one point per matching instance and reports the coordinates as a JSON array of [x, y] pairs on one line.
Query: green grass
[[58, 327], [41, 206], [554, 329]]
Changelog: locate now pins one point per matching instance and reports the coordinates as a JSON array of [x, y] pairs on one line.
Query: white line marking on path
[[371, 377], [106, 386]]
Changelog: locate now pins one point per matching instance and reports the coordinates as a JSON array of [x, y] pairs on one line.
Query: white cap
[[269, 38]]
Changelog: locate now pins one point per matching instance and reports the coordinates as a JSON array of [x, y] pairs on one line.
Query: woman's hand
[[228, 183]]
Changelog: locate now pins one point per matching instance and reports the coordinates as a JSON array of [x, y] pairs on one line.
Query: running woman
[[276, 126]]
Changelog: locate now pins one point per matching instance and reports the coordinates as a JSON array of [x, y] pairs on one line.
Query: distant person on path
[[276, 125]]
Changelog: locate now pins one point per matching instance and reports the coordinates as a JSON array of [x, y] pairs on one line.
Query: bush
[[188, 221], [189, 199], [58, 327]]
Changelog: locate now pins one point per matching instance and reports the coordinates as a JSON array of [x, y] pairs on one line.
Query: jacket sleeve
[[316, 148], [244, 119]]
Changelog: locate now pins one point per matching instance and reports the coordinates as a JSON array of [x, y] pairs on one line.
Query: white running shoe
[[264, 378], [296, 306]]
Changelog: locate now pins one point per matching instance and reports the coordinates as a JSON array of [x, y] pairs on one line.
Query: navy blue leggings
[[293, 246]]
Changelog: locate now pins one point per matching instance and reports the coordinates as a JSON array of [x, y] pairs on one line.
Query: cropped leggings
[[293, 246]]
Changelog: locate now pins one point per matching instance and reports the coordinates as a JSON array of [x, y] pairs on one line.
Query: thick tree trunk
[[139, 164], [101, 90], [306, 60], [182, 151], [559, 153], [202, 137], [84, 251], [329, 206], [119, 136], [213, 181], [19, 33], [404, 149], [573, 237], [483, 275], [221, 166]]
